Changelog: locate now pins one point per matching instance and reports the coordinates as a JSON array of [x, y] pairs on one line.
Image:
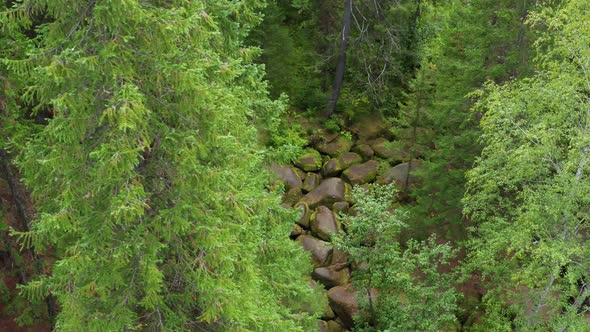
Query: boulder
[[287, 175], [323, 223], [310, 161], [370, 126], [329, 191], [361, 173], [339, 207], [350, 158], [304, 215], [332, 167], [328, 313], [329, 326], [319, 250], [343, 300], [292, 196], [336, 165], [344, 303], [337, 147], [401, 173], [388, 150], [300, 173], [340, 258], [333, 326], [312, 180], [364, 150], [331, 276], [296, 231]]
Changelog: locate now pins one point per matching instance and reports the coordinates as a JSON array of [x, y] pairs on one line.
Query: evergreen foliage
[[147, 175], [288, 38], [464, 43]]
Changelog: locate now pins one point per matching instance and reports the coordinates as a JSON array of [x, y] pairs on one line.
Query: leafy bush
[[412, 294]]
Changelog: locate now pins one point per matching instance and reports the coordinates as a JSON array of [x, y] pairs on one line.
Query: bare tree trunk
[[341, 64]]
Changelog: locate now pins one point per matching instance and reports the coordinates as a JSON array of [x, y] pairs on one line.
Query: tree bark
[[341, 64], [23, 216]]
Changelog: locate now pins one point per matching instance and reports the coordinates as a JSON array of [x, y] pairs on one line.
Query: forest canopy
[[333, 165]]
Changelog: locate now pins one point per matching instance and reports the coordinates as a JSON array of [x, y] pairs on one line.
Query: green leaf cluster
[[529, 189], [412, 294]]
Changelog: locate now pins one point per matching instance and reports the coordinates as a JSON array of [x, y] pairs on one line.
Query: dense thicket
[[301, 41]]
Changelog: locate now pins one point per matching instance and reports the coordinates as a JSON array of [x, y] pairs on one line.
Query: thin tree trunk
[[341, 64]]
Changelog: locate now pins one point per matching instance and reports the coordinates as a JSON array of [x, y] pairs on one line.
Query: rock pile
[[319, 184]]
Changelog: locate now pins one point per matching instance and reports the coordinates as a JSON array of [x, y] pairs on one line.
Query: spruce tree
[[145, 168], [463, 44]]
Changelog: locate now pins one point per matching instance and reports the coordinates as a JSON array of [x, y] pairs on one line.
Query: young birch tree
[[529, 191]]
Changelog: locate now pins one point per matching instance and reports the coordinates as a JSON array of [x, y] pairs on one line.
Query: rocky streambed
[[319, 184]]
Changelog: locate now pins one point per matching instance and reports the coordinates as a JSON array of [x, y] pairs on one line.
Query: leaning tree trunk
[[341, 64]]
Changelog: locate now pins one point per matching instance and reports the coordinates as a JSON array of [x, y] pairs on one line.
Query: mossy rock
[[340, 207], [328, 313], [310, 161], [343, 300], [361, 173], [370, 126], [292, 196], [331, 276], [312, 180], [364, 150], [296, 231], [321, 252], [402, 173], [340, 258], [348, 193], [330, 191], [337, 147], [323, 223], [333, 326], [287, 175], [305, 214], [336, 165], [299, 172], [350, 158], [332, 167]]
